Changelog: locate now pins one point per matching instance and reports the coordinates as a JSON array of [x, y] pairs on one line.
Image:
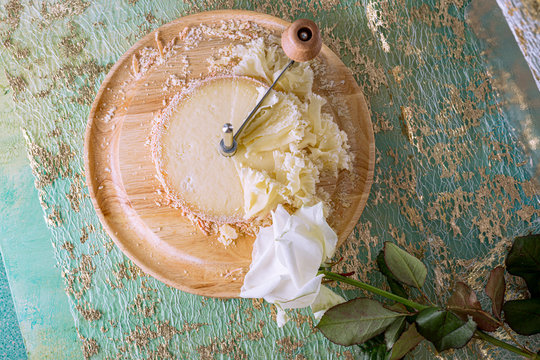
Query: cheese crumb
[[227, 234]]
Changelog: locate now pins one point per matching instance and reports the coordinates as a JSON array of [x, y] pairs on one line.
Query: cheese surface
[[281, 154], [206, 181]]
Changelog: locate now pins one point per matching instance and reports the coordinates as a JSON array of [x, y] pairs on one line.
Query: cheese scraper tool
[[301, 41]]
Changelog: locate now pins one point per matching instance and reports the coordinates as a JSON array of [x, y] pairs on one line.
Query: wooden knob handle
[[302, 40]]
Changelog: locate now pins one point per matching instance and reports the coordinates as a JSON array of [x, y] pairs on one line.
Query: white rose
[[285, 261]]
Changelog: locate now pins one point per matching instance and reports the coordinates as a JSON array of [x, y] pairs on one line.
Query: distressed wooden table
[[455, 113]]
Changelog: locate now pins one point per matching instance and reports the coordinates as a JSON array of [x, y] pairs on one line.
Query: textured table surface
[[457, 152], [43, 312]]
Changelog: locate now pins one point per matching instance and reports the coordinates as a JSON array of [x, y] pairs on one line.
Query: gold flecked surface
[[453, 182]]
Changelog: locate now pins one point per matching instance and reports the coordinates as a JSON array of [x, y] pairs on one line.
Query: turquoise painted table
[[43, 313], [455, 113]]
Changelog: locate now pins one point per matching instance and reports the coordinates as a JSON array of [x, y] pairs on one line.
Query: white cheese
[[281, 153], [206, 181]]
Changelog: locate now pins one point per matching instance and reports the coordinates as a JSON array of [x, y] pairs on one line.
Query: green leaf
[[400, 308], [405, 267], [407, 341], [356, 321], [374, 349], [524, 260], [393, 282], [523, 316], [495, 289], [464, 303], [393, 332], [377, 352], [444, 329]]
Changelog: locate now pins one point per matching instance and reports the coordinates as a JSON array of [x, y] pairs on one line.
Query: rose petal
[[314, 216], [286, 258], [281, 317], [298, 298], [324, 301], [297, 253], [280, 217], [264, 242]]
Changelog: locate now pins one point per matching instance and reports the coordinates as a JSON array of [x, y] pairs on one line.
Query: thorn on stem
[[327, 265]]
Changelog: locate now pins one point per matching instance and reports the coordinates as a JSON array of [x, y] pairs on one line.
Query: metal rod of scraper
[[301, 41]]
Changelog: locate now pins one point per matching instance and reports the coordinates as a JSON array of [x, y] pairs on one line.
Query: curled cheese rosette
[[286, 259]]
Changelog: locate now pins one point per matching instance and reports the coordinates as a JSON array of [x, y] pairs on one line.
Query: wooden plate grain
[[121, 176]]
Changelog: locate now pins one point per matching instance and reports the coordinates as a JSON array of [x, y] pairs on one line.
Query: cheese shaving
[[290, 141]]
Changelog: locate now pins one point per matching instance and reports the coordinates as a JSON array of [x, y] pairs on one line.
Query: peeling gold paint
[[90, 347], [287, 345], [89, 313]]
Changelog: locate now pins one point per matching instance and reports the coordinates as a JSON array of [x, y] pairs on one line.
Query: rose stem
[[373, 289]]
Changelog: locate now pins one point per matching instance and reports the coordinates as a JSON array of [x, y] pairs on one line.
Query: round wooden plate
[[121, 176]]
